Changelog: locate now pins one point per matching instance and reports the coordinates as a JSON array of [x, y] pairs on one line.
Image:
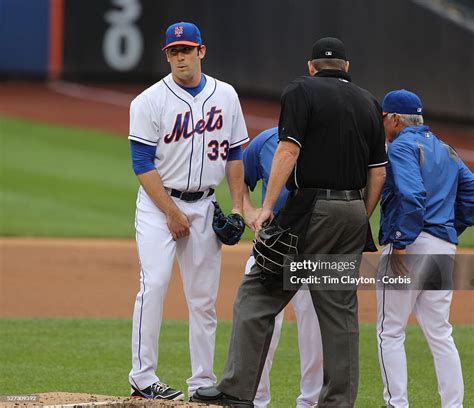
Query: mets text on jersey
[[181, 126]]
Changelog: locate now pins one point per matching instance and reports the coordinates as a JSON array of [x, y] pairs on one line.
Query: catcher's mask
[[275, 248]]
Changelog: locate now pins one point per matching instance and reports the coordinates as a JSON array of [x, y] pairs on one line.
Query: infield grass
[[93, 356], [69, 182]]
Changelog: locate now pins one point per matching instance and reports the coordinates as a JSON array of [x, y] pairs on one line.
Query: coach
[[427, 202], [331, 146]]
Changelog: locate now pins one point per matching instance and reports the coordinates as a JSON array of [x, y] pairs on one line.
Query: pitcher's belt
[[191, 196]]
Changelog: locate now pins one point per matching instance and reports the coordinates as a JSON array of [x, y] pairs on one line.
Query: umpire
[[332, 146]]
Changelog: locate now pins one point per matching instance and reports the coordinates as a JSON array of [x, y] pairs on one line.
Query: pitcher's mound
[[70, 400]]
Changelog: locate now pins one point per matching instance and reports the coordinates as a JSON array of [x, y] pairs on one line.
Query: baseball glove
[[229, 229]]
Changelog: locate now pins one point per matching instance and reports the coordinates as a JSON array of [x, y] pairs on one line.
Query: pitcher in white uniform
[[186, 133]]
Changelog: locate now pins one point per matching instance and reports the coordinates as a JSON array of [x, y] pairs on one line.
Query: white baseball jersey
[[193, 135]]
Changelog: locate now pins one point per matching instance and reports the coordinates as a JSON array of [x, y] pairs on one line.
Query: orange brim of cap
[[181, 43]]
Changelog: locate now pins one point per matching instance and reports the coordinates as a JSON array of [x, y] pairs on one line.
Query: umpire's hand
[[265, 215]]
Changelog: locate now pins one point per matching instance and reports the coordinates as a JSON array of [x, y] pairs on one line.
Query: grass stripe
[[64, 182], [93, 356]]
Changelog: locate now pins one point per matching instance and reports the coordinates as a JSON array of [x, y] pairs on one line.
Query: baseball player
[[427, 202], [186, 133], [258, 157]]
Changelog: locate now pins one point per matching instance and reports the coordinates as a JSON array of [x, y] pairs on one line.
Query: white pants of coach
[[431, 308], [199, 258], [310, 347]]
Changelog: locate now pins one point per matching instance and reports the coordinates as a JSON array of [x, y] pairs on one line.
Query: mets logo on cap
[[178, 31], [183, 33]]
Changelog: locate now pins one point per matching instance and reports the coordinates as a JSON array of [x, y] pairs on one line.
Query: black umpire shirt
[[339, 128]]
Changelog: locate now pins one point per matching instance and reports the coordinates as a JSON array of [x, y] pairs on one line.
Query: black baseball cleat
[[158, 390], [211, 395]]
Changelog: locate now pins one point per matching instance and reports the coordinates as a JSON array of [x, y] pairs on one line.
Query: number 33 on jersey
[[192, 135]]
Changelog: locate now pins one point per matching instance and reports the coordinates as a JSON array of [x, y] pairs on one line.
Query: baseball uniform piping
[[192, 139], [378, 164], [294, 141], [141, 314], [142, 140], [143, 293], [295, 170], [204, 133], [380, 334], [241, 141], [192, 149]]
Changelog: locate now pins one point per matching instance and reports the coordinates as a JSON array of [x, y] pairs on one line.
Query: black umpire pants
[[336, 227]]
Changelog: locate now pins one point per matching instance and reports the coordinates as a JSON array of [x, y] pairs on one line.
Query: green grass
[[59, 181], [93, 356], [68, 182]]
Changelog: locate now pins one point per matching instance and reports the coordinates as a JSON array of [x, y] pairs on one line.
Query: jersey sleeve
[[294, 113], [235, 153], [143, 127], [411, 190], [239, 129], [252, 168], [378, 150], [464, 206], [143, 157]]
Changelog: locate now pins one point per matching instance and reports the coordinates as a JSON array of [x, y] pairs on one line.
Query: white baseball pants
[[199, 258], [431, 308], [310, 347]]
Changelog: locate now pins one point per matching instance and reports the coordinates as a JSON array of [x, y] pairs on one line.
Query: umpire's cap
[[329, 47], [182, 33]]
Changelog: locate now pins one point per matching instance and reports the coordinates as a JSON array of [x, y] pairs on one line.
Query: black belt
[[346, 195], [191, 196], [327, 194]]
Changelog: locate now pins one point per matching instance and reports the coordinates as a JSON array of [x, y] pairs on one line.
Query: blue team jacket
[[258, 157], [427, 188]]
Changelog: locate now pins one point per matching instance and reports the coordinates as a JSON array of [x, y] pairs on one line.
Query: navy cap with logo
[[184, 34], [403, 102], [328, 47]]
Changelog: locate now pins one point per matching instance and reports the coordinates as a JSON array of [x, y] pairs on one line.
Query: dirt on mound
[[66, 399]]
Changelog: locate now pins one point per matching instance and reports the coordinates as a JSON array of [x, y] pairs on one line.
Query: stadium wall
[[258, 46]]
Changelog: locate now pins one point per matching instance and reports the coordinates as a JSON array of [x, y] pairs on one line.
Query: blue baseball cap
[[403, 102], [182, 33]]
